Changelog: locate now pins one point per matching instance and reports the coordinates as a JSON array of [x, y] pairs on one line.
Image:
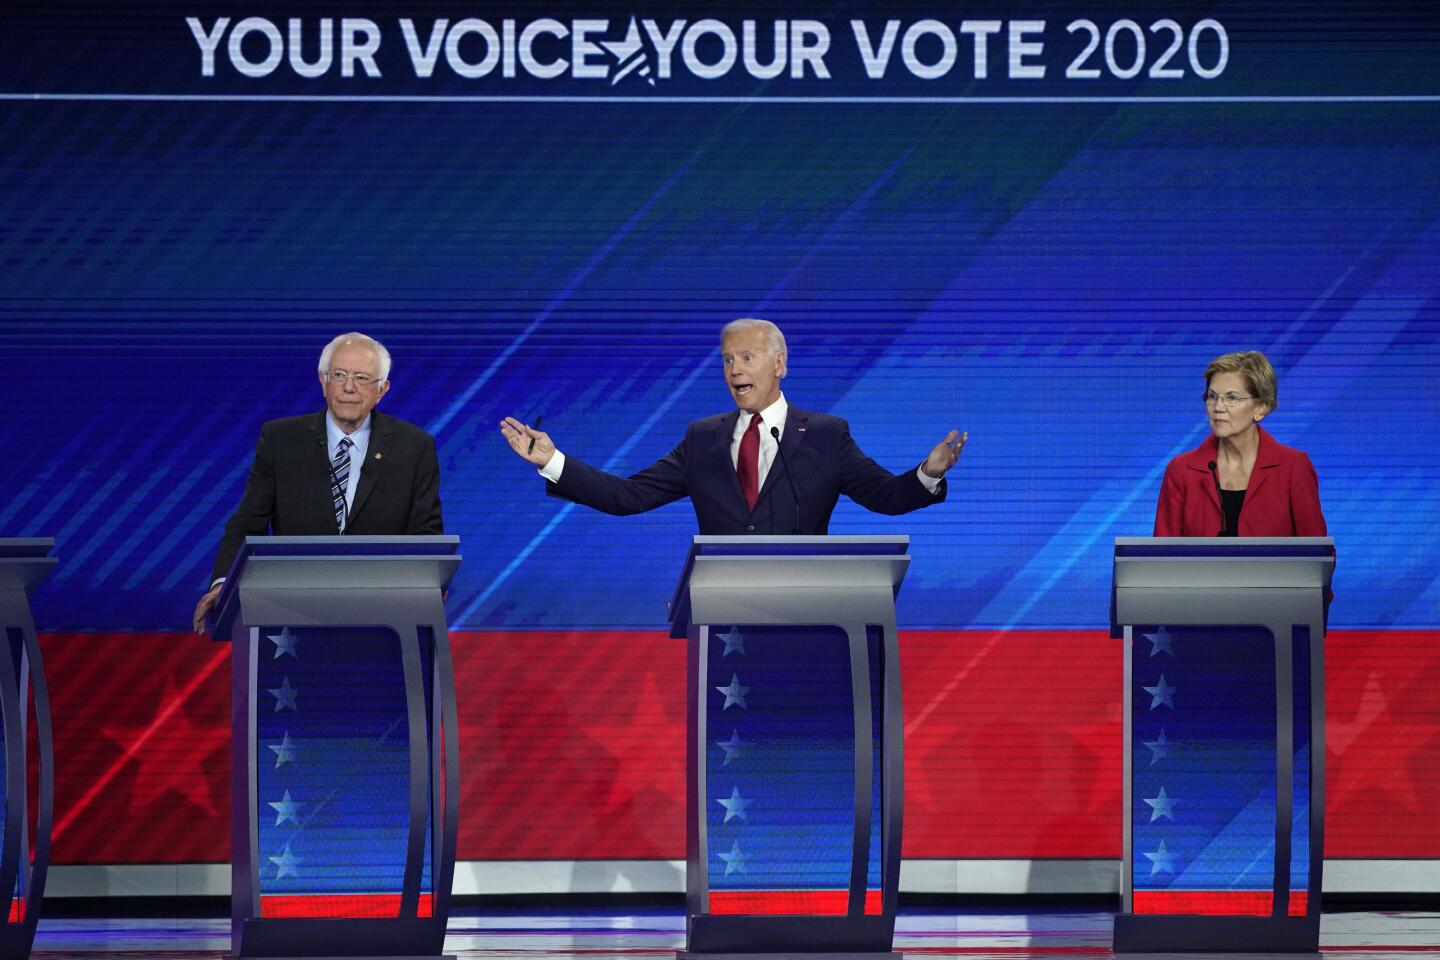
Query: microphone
[[785, 465], [1215, 475]]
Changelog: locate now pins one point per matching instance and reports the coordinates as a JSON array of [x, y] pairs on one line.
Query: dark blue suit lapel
[[320, 442], [721, 461], [380, 430]]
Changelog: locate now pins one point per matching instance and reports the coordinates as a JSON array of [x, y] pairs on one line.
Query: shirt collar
[[772, 416], [333, 434]]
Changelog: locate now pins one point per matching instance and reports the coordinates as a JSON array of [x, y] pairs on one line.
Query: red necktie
[[747, 463]]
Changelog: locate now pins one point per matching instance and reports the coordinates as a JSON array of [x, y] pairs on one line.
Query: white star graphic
[[285, 863], [733, 746], [1161, 860], [1161, 693], [284, 695], [735, 806], [284, 643], [1161, 806], [734, 693], [284, 751], [1159, 748], [629, 55], [286, 809], [734, 642], [1160, 642], [734, 860]]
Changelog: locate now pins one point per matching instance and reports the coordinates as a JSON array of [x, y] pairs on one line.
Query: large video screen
[[1033, 221]]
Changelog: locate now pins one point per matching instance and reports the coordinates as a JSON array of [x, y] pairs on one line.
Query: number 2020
[[1160, 69]]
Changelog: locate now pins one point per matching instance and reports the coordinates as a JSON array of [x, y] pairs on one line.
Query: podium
[[345, 748], [794, 742], [1224, 762], [25, 563]]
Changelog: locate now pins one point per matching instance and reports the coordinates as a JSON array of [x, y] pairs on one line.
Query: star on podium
[[285, 642], [1159, 748], [1161, 806], [286, 809], [1161, 694], [285, 863], [734, 860], [733, 747], [284, 696], [1161, 861], [284, 751], [734, 642], [734, 693], [735, 806]]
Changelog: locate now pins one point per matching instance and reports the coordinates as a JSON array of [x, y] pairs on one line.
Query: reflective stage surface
[[595, 934]]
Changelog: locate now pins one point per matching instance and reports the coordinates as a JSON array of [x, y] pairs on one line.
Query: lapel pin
[[379, 456]]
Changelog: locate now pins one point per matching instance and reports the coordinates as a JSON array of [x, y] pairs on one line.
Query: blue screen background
[[1051, 277]]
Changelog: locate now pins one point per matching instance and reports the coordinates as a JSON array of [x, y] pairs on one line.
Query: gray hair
[[380, 352], [774, 339]]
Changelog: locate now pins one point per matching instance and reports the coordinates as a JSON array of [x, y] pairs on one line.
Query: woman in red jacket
[[1240, 482]]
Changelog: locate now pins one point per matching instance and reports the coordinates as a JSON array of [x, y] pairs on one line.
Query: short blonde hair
[[1255, 368]]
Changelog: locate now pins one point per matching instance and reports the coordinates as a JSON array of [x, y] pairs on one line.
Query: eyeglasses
[[361, 380], [1228, 400]]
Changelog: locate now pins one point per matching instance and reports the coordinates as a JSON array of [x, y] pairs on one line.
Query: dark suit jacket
[[1282, 500], [824, 463], [288, 493]]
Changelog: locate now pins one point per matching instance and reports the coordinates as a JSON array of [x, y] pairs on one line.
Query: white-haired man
[[732, 465], [345, 469]]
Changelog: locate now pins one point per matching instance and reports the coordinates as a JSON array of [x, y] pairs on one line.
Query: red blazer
[[1283, 499]]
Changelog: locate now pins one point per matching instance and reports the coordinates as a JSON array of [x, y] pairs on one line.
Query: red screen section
[[1226, 903], [813, 903], [348, 906], [572, 745]]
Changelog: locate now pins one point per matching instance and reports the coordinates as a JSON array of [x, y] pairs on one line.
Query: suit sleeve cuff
[[930, 483], [552, 470]]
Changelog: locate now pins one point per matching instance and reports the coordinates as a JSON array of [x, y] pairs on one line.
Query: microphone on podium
[[785, 465]]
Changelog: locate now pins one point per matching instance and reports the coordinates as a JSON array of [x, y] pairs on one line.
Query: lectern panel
[[780, 770], [1204, 771], [1300, 668], [333, 775]]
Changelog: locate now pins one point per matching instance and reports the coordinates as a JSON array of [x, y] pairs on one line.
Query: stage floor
[[597, 934]]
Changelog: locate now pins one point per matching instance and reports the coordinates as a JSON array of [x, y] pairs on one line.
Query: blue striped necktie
[[339, 477]]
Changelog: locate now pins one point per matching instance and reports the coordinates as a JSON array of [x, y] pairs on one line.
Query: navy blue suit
[[824, 463]]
